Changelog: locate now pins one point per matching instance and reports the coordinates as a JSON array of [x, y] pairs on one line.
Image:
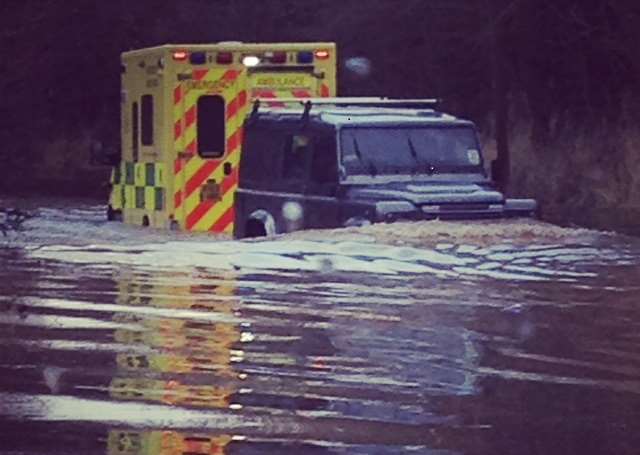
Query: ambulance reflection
[[178, 359], [165, 443]]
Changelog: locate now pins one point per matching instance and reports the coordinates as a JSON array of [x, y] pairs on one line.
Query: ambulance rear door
[[209, 108]]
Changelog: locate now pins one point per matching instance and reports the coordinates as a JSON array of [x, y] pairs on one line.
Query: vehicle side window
[[261, 155], [325, 162], [146, 111], [296, 156], [211, 126], [134, 131]]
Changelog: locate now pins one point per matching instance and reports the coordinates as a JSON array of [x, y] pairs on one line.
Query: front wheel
[[255, 228]]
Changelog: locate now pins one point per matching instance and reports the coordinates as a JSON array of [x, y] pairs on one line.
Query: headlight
[[388, 210]]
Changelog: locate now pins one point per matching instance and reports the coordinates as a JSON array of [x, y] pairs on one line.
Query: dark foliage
[[566, 62]]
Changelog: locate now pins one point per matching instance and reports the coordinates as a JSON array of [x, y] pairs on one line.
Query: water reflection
[[177, 362], [126, 442], [186, 362], [463, 349]]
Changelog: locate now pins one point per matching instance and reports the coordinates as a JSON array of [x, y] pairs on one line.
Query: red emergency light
[[277, 57], [322, 55], [224, 58], [180, 56]]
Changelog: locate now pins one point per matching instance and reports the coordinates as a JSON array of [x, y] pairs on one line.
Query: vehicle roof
[[230, 46], [362, 116]]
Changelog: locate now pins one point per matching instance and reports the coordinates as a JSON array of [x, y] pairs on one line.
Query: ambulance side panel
[[141, 187]]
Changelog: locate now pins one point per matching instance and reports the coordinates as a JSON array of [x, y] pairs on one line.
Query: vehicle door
[[209, 108], [322, 207], [291, 188]]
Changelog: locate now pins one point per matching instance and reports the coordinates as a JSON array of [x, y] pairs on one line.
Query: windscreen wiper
[[373, 170], [414, 154], [356, 149], [430, 168]]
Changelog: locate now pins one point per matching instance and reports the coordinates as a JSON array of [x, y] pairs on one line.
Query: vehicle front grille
[[463, 207]]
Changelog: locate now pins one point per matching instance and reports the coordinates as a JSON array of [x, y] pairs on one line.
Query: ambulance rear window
[[211, 126]]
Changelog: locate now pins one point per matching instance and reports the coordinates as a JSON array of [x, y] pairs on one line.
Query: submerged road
[[432, 338]]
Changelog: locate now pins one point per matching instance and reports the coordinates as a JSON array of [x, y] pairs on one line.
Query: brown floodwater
[[433, 338]]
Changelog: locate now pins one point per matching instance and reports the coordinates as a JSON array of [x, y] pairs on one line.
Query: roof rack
[[357, 101], [308, 103]]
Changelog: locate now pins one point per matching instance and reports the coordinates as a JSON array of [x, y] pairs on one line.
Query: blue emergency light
[[305, 57], [198, 58]]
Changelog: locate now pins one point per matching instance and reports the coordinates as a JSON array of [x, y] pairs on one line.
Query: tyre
[[255, 228]]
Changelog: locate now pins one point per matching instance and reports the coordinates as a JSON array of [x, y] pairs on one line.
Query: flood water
[[485, 338]]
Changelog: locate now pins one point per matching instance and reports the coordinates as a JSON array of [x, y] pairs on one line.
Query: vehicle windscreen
[[409, 150]]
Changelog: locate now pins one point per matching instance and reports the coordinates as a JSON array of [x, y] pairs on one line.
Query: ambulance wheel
[[255, 228], [145, 221], [113, 215]]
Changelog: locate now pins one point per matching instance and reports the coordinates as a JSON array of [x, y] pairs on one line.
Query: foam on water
[[324, 256], [503, 250]]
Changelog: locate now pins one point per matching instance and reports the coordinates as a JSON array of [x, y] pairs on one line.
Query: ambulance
[[182, 113]]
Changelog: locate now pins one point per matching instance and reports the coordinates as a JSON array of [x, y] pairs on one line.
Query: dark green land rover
[[326, 163]]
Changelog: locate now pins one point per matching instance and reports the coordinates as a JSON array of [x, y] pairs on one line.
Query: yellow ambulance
[[182, 114]]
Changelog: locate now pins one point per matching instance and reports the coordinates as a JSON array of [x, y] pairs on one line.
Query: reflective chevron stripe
[[191, 172]]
